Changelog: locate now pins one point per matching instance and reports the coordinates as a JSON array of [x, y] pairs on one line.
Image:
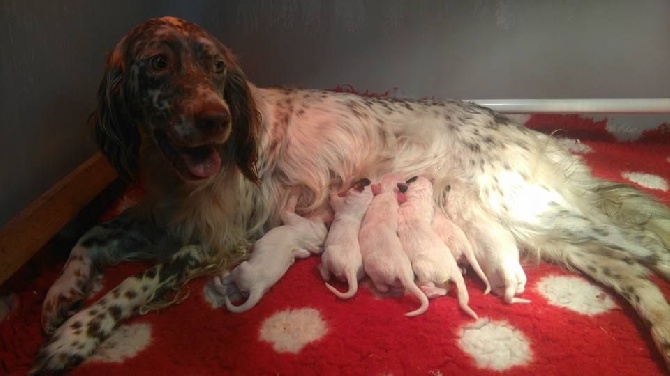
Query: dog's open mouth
[[193, 162], [201, 161]]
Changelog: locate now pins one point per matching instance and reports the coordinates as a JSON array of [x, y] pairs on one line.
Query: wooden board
[[30, 230]]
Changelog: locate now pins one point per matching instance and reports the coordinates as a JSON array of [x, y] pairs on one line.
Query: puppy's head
[[170, 83]]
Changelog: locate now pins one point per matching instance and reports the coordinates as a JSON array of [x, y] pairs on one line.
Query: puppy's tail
[[463, 296], [255, 296], [407, 281], [352, 280], [461, 243]]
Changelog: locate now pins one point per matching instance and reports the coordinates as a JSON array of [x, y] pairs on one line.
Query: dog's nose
[[211, 118]]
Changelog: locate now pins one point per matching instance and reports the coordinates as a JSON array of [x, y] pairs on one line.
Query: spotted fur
[[77, 339], [219, 156]]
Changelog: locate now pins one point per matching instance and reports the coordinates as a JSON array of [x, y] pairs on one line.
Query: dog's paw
[[69, 346], [65, 296]]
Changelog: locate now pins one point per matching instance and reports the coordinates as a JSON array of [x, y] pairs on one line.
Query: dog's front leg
[[81, 334], [108, 243]]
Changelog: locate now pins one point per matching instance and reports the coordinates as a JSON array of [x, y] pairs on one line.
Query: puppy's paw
[[225, 286], [432, 291], [507, 279]]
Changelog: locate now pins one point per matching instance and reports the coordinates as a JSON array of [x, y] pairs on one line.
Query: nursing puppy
[[507, 254], [458, 244], [431, 259], [273, 254], [383, 258], [342, 252]]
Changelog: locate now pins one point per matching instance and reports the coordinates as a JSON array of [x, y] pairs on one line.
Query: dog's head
[[171, 83]]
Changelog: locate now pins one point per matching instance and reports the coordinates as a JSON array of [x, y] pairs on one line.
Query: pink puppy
[[383, 258], [458, 244], [431, 259], [342, 255]]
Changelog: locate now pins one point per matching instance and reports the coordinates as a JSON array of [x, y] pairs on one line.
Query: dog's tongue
[[202, 162]]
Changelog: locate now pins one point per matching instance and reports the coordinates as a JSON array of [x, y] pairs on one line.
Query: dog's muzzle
[[193, 143]]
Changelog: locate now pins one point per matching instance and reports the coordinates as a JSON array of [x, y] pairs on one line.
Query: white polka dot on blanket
[[124, 343], [576, 294], [576, 146], [290, 330], [518, 118], [646, 180], [495, 345]]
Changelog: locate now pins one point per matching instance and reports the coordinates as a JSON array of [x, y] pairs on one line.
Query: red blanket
[[572, 326]]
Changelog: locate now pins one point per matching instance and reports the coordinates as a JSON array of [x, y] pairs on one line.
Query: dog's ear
[[113, 128], [246, 122]]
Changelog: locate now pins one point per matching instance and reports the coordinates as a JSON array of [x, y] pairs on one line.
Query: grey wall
[[52, 54], [465, 49]]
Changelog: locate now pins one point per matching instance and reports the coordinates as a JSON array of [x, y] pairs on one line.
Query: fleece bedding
[[571, 326]]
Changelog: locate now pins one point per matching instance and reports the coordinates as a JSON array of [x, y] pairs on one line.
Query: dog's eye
[[158, 63], [219, 66]]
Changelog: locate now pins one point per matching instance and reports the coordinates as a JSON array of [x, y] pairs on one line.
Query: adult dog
[[218, 157]]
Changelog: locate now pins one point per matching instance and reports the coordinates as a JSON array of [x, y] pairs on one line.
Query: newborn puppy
[[431, 259], [383, 258], [458, 244], [342, 255], [273, 254]]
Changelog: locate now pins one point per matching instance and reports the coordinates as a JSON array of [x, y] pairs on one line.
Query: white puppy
[[494, 247], [383, 258], [342, 252], [431, 259], [458, 244], [273, 254]]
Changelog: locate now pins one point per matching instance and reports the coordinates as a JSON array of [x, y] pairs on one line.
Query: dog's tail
[[629, 279], [630, 207], [407, 281], [352, 280], [622, 235], [255, 296], [619, 219]]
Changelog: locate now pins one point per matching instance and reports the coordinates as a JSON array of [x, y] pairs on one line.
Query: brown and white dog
[[219, 156]]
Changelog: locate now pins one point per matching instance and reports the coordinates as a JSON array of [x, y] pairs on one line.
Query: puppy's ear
[[246, 122], [361, 184], [113, 128]]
